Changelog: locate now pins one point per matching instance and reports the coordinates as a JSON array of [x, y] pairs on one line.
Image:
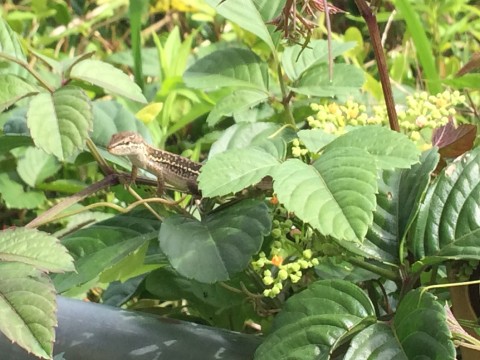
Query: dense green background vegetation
[[321, 228]]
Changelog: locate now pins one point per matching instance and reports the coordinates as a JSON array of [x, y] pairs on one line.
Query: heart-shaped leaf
[[336, 195], [218, 246]]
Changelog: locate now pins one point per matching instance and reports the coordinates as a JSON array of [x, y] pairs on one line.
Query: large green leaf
[[297, 59], [228, 67], [400, 193], [13, 89], [234, 170], [390, 148], [108, 77], [375, 342], [313, 322], [336, 194], [35, 166], [34, 248], [251, 15], [27, 308], [420, 326], [100, 247], [59, 122], [448, 225], [347, 80], [218, 246]]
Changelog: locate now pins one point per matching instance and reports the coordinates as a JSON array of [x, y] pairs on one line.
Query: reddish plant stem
[[371, 20]]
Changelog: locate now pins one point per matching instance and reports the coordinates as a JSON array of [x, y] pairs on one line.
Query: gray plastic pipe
[[99, 332]]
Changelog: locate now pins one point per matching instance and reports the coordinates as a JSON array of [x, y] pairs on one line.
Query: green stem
[[29, 69], [388, 274], [285, 97]]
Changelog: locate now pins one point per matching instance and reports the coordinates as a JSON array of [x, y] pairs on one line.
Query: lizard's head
[[126, 143]]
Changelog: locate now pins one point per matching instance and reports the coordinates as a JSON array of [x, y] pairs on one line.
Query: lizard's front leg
[[160, 183]]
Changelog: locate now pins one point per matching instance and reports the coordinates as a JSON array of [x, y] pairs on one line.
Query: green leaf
[[234, 170], [420, 326], [389, 148], [297, 59], [313, 322], [9, 142], [34, 248], [110, 117], [228, 67], [59, 122], [218, 246], [166, 284], [315, 139], [240, 136], [246, 14], [15, 197], [422, 44], [36, 166], [448, 225], [108, 77], [100, 247], [13, 89], [347, 80], [375, 342], [398, 199], [27, 308], [237, 101], [470, 81], [10, 45], [336, 195]]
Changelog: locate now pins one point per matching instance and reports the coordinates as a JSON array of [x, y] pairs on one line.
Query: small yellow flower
[[277, 260]]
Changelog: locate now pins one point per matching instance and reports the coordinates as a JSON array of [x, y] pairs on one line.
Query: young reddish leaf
[[454, 141]]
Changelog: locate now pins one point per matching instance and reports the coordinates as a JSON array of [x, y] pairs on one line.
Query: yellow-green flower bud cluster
[[273, 270], [421, 111], [297, 149], [428, 111], [333, 118]]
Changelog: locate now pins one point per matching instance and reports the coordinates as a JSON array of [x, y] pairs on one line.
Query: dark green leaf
[[9, 142], [218, 246], [313, 322], [420, 326], [375, 342], [448, 225], [100, 247]]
